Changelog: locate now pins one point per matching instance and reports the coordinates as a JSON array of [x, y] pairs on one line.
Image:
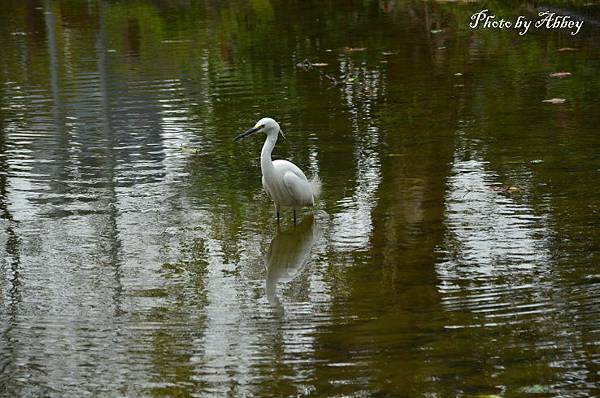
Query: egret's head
[[266, 125]]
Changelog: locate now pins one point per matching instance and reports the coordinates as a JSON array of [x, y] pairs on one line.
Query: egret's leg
[[277, 211], [294, 216]]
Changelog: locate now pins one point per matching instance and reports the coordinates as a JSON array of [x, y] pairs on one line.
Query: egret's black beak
[[247, 133]]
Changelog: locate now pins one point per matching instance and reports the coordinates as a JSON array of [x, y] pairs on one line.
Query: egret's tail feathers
[[315, 183]]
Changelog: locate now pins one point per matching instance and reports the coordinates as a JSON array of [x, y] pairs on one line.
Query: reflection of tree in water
[[396, 288], [360, 90], [410, 190], [10, 264], [377, 134], [69, 198], [182, 297], [110, 230]]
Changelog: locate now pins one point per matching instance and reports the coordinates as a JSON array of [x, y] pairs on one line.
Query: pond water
[[140, 257]]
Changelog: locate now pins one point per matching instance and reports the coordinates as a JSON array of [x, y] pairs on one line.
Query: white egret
[[283, 181]]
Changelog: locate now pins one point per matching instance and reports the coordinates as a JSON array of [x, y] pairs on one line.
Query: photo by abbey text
[[547, 20]]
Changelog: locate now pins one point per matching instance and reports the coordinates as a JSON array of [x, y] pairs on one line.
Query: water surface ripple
[[140, 257]]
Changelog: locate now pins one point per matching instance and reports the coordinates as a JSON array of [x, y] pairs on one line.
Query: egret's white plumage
[[283, 181]]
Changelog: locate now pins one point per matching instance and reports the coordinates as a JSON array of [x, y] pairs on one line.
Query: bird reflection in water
[[288, 255]]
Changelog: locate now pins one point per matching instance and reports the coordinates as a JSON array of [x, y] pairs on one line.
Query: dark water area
[[455, 250]]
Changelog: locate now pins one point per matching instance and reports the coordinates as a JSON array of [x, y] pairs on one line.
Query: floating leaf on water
[[19, 33], [388, 53], [441, 48], [395, 155], [328, 50], [555, 101], [383, 62], [560, 74], [489, 396], [536, 161], [111, 50], [436, 31], [353, 49], [458, 74], [503, 190], [565, 49], [459, 85], [306, 64]]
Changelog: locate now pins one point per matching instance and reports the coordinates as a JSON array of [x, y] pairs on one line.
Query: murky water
[[141, 258]]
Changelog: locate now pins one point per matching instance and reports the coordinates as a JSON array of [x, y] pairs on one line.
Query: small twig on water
[[331, 79]]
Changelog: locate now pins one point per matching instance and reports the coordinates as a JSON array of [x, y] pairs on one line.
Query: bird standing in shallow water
[[283, 181]]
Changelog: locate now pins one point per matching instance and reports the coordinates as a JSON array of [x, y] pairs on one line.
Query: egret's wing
[[298, 188], [286, 166]]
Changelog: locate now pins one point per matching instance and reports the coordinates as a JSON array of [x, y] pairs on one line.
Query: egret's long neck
[[266, 164]]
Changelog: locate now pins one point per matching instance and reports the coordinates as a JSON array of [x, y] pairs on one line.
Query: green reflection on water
[[135, 234]]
